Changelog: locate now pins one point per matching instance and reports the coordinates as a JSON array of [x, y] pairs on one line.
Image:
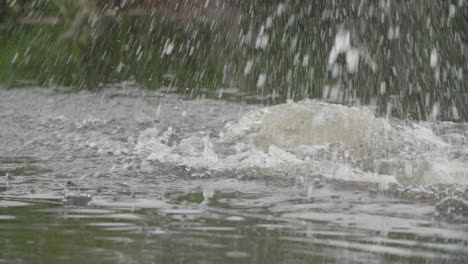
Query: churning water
[[135, 176]]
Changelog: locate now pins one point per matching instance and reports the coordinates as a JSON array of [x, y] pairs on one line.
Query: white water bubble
[[168, 48], [397, 32], [342, 41], [460, 74], [291, 20], [296, 59], [341, 45], [325, 91], [261, 80], [15, 57], [437, 74], [305, 61], [455, 112], [334, 94], [293, 45], [269, 22], [138, 49], [383, 88], [352, 60], [393, 33], [248, 67], [452, 10], [428, 99], [119, 67], [388, 112], [336, 70], [280, 10], [434, 59], [262, 41], [435, 111]]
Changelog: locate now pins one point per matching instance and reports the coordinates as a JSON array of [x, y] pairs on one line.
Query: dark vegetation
[[193, 49]]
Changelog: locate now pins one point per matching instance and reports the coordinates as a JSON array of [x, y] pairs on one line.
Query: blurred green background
[[270, 51]]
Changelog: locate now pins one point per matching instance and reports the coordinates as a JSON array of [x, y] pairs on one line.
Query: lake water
[[125, 175]]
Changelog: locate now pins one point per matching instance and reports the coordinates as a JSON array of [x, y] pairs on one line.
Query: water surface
[[133, 176]]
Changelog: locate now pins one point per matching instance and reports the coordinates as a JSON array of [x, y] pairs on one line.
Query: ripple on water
[[6, 203], [7, 217], [110, 224], [230, 195], [237, 254]]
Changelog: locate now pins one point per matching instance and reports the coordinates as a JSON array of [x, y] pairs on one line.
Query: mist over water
[[233, 131]]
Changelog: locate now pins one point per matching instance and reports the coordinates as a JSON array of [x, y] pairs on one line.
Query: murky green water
[[267, 225], [61, 150]]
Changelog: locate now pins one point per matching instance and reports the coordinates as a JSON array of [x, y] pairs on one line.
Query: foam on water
[[312, 138], [309, 123]]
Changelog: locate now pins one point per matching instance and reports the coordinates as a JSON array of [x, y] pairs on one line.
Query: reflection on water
[[138, 205], [248, 222]]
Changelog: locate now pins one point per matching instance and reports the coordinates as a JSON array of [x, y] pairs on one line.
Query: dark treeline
[[412, 54]]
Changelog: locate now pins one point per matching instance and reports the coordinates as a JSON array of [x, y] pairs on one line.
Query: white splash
[[168, 48], [434, 59], [315, 138], [353, 54], [261, 80]]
